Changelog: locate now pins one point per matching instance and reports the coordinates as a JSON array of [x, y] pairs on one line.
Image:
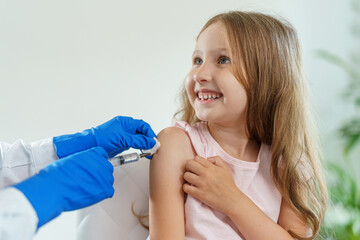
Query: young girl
[[243, 163]]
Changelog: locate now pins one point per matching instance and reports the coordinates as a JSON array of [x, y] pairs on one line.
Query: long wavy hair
[[266, 59]]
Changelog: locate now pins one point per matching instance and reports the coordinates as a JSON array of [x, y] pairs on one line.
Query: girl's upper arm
[[289, 220], [167, 167]]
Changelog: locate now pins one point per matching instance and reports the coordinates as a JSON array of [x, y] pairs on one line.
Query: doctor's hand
[[211, 182], [71, 183], [115, 136]]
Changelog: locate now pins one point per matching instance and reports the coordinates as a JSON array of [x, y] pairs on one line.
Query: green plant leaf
[[347, 67], [351, 141], [351, 134], [357, 101]]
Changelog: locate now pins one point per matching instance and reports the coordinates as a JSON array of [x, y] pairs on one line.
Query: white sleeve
[[20, 161], [18, 219]]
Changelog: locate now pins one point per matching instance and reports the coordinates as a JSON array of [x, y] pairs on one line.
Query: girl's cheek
[[191, 95], [189, 86]]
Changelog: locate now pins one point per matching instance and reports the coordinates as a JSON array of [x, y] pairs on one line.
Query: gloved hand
[[114, 136], [71, 183]]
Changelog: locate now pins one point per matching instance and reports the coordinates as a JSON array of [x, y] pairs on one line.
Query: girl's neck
[[234, 140]]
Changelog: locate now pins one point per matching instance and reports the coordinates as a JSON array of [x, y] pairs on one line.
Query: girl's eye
[[197, 61], [224, 60]]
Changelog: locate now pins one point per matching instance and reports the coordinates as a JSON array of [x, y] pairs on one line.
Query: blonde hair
[[266, 60]]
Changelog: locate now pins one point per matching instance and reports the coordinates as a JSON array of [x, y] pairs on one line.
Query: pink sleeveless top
[[252, 178]]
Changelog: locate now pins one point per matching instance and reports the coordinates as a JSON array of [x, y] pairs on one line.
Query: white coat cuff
[[43, 153]]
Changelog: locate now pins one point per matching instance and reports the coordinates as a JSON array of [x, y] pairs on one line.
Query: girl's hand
[[210, 181]]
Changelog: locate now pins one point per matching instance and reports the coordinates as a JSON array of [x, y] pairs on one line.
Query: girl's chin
[[219, 119], [206, 117]]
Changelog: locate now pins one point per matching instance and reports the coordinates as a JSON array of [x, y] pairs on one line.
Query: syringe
[[127, 158]]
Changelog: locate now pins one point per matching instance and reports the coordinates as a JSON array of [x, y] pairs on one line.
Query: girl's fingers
[[194, 167], [217, 161], [191, 190], [192, 178], [204, 162]]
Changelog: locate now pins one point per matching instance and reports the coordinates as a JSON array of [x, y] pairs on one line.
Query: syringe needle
[[144, 155]]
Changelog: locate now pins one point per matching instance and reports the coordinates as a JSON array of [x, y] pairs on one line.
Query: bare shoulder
[[175, 140], [170, 159], [174, 134]]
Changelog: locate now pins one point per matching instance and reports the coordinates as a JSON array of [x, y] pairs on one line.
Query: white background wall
[[69, 65]]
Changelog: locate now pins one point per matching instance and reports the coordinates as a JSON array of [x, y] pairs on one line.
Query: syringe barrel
[[124, 159]]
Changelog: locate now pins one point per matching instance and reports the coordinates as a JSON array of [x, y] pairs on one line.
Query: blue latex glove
[[71, 183], [114, 136]]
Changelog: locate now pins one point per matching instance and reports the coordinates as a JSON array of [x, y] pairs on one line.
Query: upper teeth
[[205, 96]]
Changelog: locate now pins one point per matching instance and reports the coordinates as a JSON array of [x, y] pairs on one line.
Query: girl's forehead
[[213, 37]]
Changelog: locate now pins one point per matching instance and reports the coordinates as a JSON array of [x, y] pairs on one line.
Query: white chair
[[112, 219]]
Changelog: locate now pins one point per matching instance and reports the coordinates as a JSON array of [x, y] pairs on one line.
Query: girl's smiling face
[[214, 92]]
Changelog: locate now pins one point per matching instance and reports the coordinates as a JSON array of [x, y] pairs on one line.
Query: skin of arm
[[290, 221], [166, 202], [210, 181]]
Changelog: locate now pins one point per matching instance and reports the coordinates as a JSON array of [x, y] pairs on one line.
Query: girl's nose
[[202, 74]]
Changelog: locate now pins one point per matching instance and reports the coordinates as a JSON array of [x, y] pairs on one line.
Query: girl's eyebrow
[[212, 51]]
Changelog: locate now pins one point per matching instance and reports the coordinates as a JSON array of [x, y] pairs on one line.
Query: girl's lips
[[205, 96], [204, 90]]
